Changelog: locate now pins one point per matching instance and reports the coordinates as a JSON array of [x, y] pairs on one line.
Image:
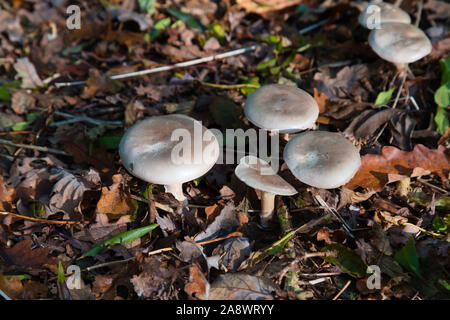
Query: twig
[[39, 148], [168, 68], [14, 133], [73, 119], [15, 215], [346, 227], [342, 290], [303, 257], [4, 295], [312, 27], [419, 13], [422, 229], [228, 86], [432, 186]]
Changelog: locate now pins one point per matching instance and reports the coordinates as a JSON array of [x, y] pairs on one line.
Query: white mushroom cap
[[322, 159], [387, 13], [282, 108], [399, 43], [147, 149], [258, 174]]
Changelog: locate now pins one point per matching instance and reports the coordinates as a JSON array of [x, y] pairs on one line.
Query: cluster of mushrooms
[[317, 158], [395, 39]]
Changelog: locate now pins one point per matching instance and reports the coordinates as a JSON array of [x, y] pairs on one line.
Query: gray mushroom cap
[[399, 43], [149, 152], [282, 108], [322, 159], [387, 12], [258, 174]]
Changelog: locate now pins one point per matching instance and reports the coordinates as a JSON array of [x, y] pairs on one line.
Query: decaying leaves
[[394, 164]]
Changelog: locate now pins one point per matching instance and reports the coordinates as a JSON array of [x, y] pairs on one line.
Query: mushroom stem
[[267, 206], [176, 190], [286, 136]]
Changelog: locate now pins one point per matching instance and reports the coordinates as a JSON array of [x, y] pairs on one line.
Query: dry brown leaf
[[321, 99], [22, 255], [26, 70], [7, 195], [114, 200], [266, 6], [197, 285], [394, 164]]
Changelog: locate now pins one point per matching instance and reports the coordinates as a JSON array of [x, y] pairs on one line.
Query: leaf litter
[[81, 206]]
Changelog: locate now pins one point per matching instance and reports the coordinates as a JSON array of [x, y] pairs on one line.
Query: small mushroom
[[386, 12], [322, 159], [281, 109], [258, 174], [151, 151], [399, 44]]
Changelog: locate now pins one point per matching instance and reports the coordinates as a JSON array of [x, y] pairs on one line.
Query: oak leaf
[[394, 164]]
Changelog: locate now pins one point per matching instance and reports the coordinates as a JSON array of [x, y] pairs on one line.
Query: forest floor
[[64, 191]]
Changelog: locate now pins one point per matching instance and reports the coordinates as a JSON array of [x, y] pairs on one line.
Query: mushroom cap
[[322, 159], [388, 13], [258, 174], [282, 108], [149, 153], [399, 42]]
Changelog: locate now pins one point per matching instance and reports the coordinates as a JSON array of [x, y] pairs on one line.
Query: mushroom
[[322, 159], [150, 151], [385, 13], [258, 174], [281, 109], [399, 44]]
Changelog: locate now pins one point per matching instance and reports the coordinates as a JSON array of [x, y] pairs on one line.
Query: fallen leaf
[[321, 99], [332, 87], [266, 6], [22, 255], [68, 191], [155, 278], [394, 164], [26, 70], [7, 195], [115, 201], [241, 286], [198, 286]]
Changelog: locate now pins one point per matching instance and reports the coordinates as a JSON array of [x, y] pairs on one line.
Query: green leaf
[[37, 208], [441, 120], [61, 276], [407, 257], [442, 95], [128, 236], [384, 97], [438, 223], [4, 94], [272, 39], [158, 27], [147, 6], [110, 142], [445, 68], [218, 32], [346, 259], [19, 277], [252, 80], [266, 64], [186, 18]]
